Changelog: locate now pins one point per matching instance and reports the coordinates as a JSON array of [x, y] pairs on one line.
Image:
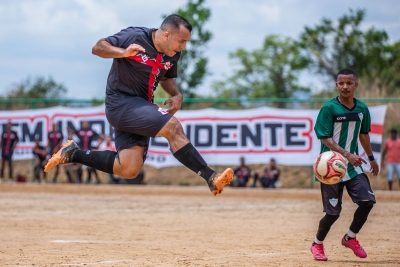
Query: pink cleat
[[317, 251], [354, 245]]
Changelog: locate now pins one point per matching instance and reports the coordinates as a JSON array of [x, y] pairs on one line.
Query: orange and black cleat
[[64, 155], [219, 180]]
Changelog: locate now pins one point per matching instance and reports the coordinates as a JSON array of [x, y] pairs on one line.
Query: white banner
[[221, 136]]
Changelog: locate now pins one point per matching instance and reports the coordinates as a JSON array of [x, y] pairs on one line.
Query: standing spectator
[[242, 173], [54, 143], [86, 137], [40, 154], [73, 170], [9, 140], [108, 145], [392, 150]]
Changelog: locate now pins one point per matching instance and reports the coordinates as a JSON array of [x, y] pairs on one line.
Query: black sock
[[190, 157], [101, 160], [361, 215]]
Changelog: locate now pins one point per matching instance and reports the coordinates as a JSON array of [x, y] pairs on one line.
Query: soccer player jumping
[[341, 122], [142, 59]]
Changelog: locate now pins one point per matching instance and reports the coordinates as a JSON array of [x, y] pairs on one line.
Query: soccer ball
[[330, 167]]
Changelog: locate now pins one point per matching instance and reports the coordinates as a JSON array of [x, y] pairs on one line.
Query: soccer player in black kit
[[142, 59], [54, 143]]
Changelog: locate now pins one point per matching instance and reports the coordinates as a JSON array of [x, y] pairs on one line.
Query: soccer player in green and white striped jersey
[[341, 123]]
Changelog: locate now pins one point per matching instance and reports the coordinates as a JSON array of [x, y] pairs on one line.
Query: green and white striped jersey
[[344, 125]]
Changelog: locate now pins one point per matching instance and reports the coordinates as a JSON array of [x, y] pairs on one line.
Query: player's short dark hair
[[393, 131], [175, 21], [346, 72]]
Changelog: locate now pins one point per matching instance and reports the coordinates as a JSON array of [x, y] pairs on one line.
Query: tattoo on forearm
[[335, 147]]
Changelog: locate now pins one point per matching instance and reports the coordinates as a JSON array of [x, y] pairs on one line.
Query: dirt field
[[105, 225]]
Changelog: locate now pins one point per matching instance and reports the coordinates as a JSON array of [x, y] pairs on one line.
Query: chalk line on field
[[62, 241], [94, 262]]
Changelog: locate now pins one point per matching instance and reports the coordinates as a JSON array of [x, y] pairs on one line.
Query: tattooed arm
[[354, 159]]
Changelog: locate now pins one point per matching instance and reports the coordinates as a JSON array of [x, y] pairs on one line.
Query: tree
[[390, 74], [334, 46], [39, 88], [269, 72], [192, 67]]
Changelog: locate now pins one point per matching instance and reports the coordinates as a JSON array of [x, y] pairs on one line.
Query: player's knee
[[330, 219], [174, 127], [129, 173], [366, 205]]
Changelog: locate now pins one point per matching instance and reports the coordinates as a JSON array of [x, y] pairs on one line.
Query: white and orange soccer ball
[[330, 167]]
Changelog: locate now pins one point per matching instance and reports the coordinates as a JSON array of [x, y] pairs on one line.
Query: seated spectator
[[269, 177], [275, 172], [242, 174]]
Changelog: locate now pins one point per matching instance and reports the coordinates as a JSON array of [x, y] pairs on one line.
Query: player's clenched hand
[[374, 167], [356, 160], [133, 49], [175, 102]]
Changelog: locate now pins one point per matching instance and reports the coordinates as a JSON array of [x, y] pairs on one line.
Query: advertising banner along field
[[221, 136]]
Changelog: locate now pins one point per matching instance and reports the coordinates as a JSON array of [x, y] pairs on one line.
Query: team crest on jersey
[[167, 65], [143, 56], [333, 201], [361, 116]]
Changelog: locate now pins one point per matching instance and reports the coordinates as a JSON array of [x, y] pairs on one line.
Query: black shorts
[[358, 188], [134, 119], [6, 157]]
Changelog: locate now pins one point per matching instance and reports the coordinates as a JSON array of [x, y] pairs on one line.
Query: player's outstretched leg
[[354, 245], [219, 180], [70, 152], [63, 156]]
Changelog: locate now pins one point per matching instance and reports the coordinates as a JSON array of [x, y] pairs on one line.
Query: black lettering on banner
[[154, 142], [221, 135], [273, 136], [156, 158], [97, 122], [161, 159], [38, 130], [189, 131], [70, 125], [247, 134], [203, 128], [290, 134]]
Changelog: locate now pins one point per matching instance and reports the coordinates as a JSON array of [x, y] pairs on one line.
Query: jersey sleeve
[[323, 126], [366, 122], [122, 39]]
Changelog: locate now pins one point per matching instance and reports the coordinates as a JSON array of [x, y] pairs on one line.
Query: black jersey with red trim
[[86, 137], [139, 75]]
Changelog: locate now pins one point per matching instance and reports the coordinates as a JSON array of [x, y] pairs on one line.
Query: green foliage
[[334, 46], [269, 72], [192, 67], [39, 88], [390, 74]]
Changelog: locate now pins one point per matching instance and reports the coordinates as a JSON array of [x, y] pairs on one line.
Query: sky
[[55, 37]]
